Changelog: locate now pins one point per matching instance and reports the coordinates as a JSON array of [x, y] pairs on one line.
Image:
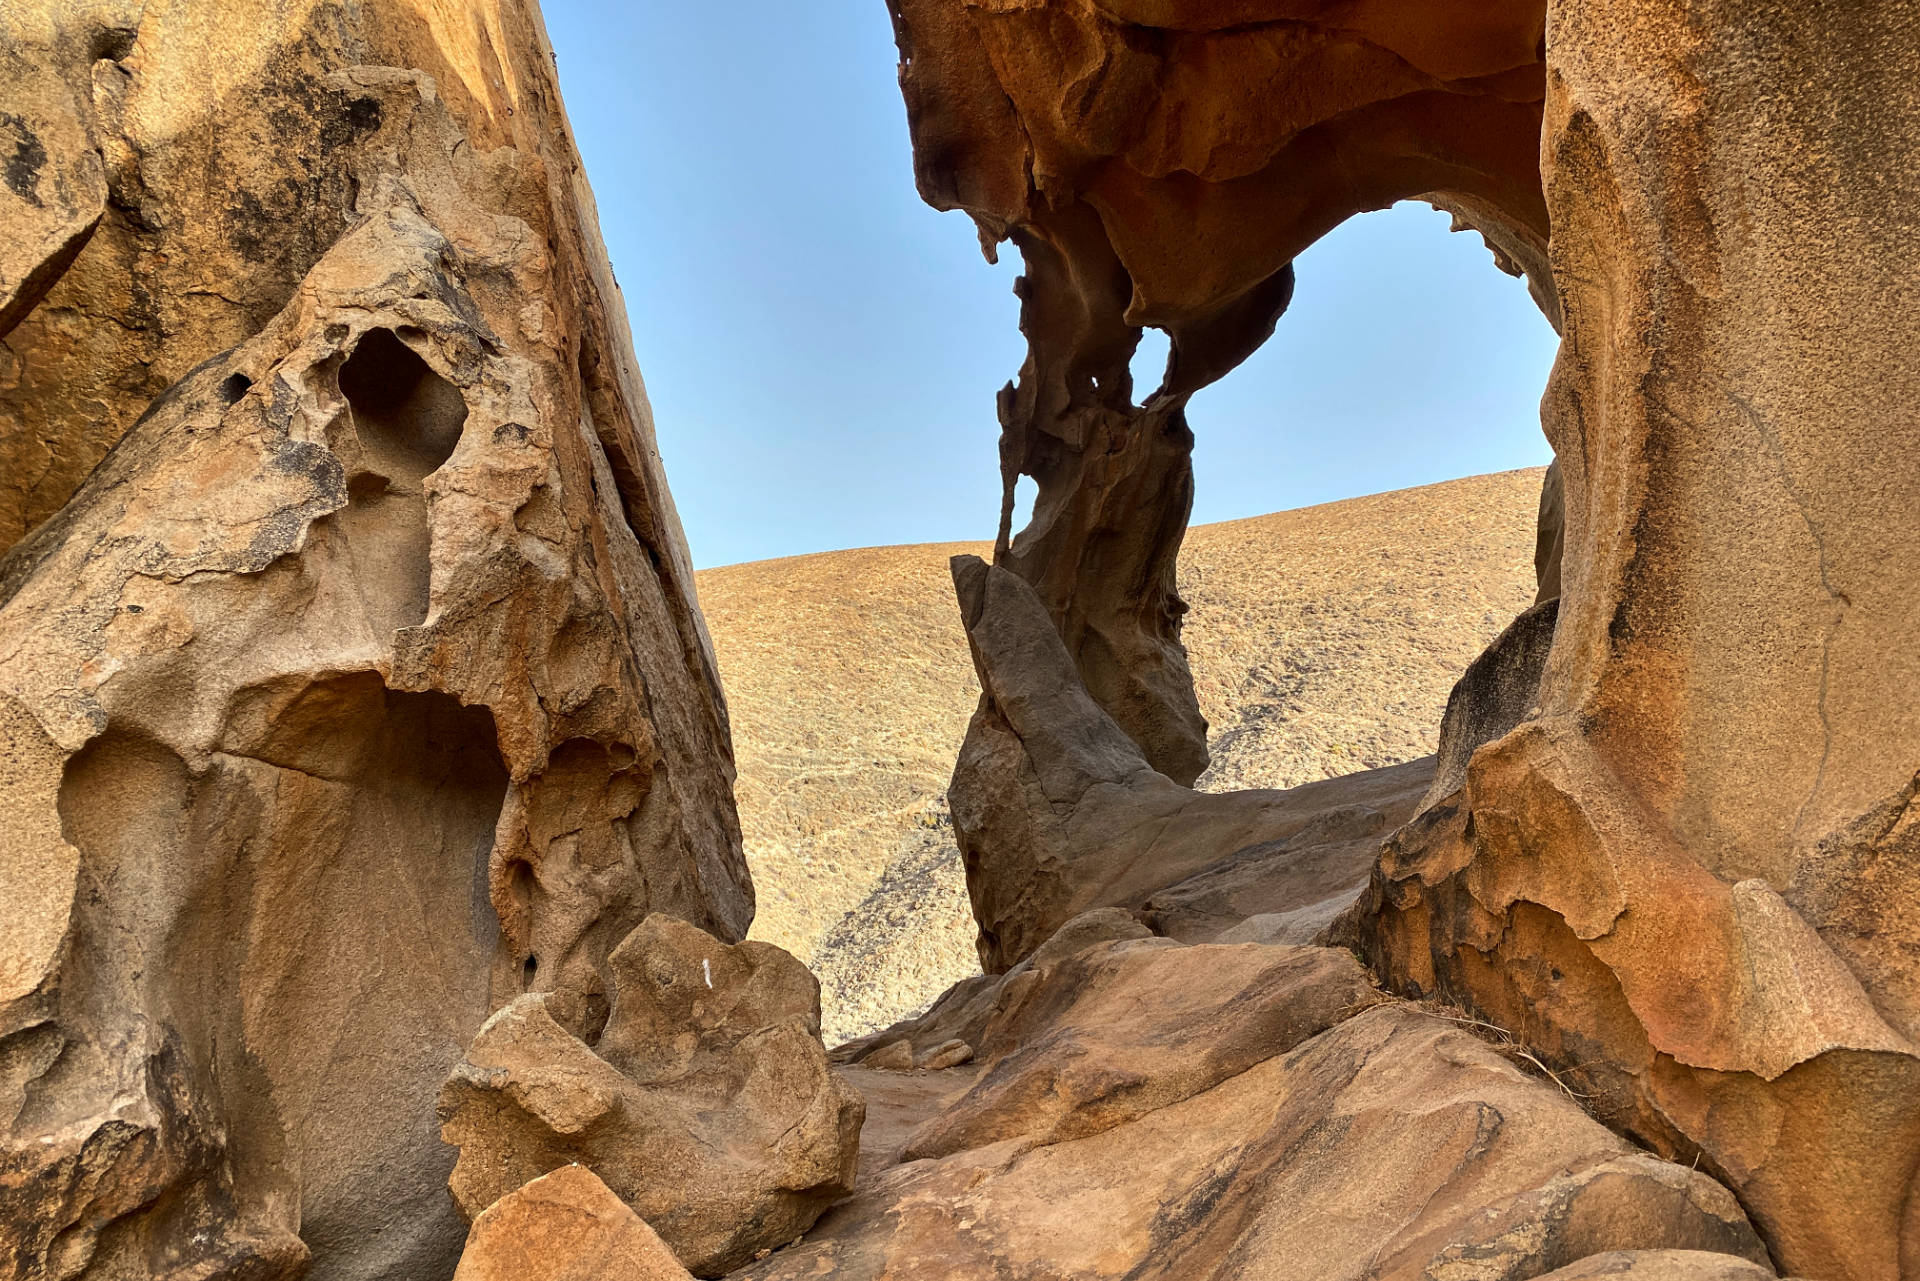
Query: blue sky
[[822, 350]]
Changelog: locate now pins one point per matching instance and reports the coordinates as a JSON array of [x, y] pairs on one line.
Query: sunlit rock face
[[360, 687], [1674, 847]]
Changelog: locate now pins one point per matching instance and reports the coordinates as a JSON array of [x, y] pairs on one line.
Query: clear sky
[[822, 350]]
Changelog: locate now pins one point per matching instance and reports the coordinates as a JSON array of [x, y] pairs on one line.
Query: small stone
[[944, 1055]]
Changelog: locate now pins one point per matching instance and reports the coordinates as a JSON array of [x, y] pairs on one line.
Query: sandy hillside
[[1323, 641]]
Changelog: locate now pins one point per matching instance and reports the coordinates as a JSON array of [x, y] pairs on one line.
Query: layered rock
[[705, 1102], [1153, 1109], [361, 688]]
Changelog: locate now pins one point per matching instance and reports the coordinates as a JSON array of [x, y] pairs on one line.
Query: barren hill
[[1323, 641]]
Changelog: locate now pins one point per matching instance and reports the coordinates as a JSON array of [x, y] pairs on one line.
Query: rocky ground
[[1323, 641]]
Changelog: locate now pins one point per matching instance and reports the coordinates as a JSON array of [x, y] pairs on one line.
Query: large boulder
[[361, 688], [705, 1102]]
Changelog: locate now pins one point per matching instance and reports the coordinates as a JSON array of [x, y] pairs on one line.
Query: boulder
[[705, 1102], [565, 1226]]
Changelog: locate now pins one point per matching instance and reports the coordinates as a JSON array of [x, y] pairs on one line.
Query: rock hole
[[1149, 365], [1025, 491], [408, 421], [233, 387], [113, 43], [408, 418], [528, 970]]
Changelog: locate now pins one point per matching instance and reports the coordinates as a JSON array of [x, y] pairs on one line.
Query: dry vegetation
[[1323, 641]]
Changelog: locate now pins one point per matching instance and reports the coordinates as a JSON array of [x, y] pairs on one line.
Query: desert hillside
[[1323, 641]]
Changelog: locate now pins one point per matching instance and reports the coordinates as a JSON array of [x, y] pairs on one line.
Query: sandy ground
[[1323, 641]]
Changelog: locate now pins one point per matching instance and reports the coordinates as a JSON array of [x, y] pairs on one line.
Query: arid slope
[[1322, 640]]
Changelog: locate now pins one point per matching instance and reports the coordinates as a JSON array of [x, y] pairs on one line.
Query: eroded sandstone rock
[[1161, 165], [565, 1226], [1687, 868], [1115, 1031], [1393, 1145], [1692, 873], [705, 1102], [1058, 812], [361, 688]]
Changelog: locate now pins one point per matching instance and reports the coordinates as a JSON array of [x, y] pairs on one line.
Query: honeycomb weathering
[[360, 686]]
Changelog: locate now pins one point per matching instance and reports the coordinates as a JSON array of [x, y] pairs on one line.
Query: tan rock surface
[[1115, 1031], [362, 687], [1322, 641], [1661, 1265], [565, 1226], [705, 1102], [1691, 874], [1393, 1145], [1058, 811]]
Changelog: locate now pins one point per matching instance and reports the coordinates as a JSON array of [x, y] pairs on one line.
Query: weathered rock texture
[[1153, 1109], [705, 1102], [1161, 165], [1694, 869], [1679, 853], [565, 1226], [1058, 812], [361, 687]]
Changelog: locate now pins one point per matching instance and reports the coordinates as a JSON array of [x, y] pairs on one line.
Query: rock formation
[[1672, 845], [1162, 165], [1058, 811], [1153, 1109], [705, 1102], [355, 705], [1322, 640], [360, 687], [565, 1226]]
